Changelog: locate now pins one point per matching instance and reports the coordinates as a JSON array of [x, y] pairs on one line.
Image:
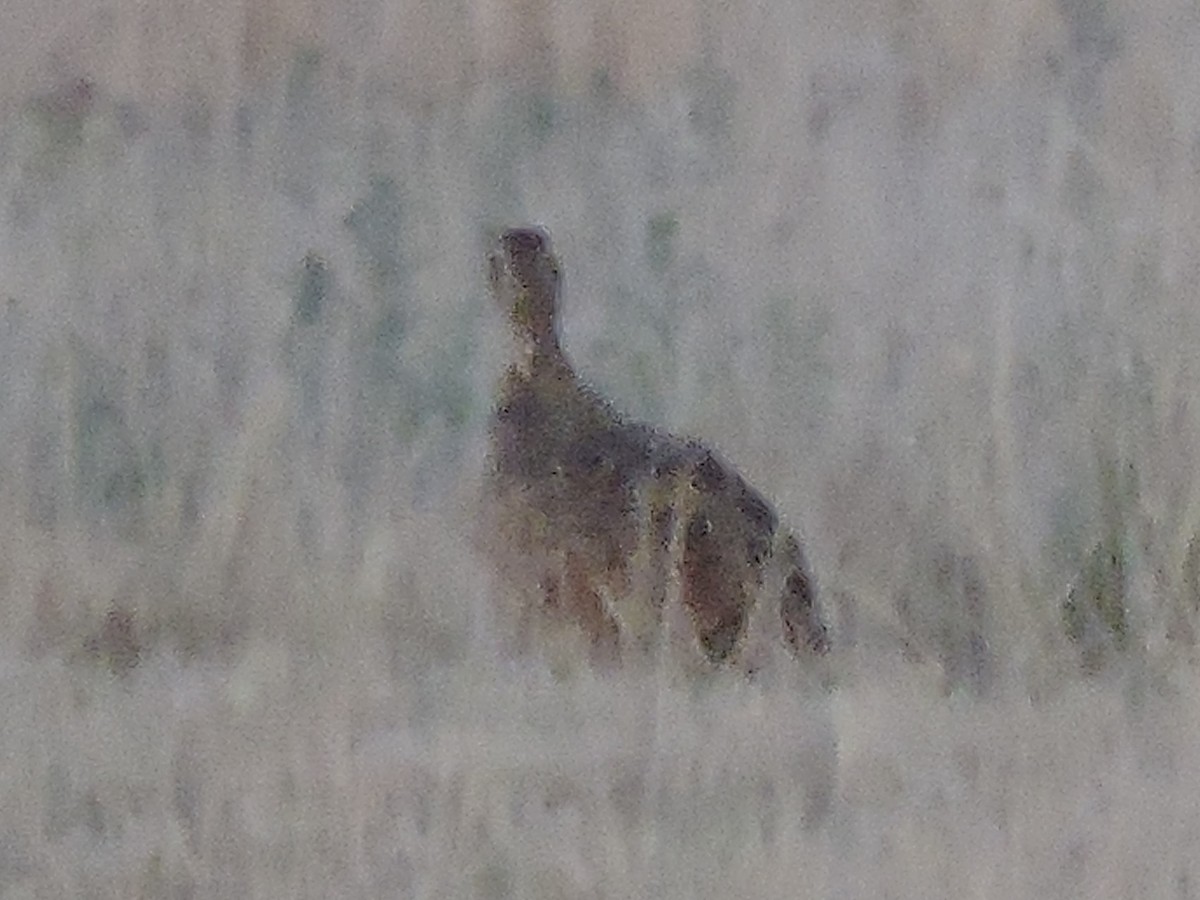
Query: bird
[[615, 530]]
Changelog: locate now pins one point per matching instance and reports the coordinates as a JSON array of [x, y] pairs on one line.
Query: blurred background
[[923, 268]]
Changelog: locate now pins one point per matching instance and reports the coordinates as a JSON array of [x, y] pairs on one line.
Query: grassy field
[[925, 271]]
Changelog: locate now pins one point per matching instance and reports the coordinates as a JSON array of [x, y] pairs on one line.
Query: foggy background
[[923, 269]]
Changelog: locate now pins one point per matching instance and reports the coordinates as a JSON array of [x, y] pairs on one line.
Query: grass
[[937, 306], [290, 775]]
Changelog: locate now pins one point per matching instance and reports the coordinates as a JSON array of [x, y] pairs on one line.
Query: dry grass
[[288, 775], [932, 290]]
